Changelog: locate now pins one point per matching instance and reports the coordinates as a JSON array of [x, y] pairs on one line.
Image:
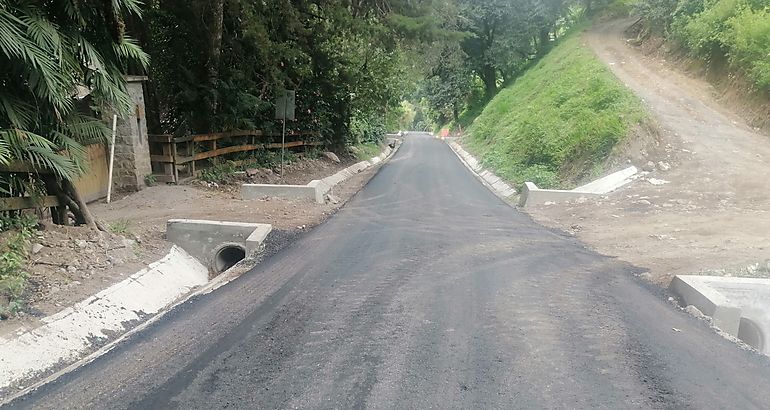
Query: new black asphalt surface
[[425, 291]]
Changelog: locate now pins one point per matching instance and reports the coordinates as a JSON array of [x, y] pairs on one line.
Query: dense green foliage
[[558, 121], [344, 59], [715, 30]]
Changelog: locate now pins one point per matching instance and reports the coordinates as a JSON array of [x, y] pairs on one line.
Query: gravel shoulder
[[706, 208]]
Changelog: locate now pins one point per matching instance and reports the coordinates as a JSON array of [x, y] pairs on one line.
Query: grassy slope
[[558, 123]]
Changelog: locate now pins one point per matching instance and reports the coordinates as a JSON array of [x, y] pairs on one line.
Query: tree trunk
[[82, 213], [489, 77]]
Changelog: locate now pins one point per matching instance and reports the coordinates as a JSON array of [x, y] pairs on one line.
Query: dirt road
[[712, 215], [424, 291]]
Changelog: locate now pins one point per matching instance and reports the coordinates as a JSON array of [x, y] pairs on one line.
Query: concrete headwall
[[204, 239], [738, 306]]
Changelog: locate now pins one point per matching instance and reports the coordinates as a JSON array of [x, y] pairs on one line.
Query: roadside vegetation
[[717, 31], [15, 235], [558, 122]]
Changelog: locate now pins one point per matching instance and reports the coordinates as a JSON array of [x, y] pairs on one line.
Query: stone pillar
[[132, 148]]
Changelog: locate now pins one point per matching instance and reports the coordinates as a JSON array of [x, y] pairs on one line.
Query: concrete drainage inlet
[[227, 256]]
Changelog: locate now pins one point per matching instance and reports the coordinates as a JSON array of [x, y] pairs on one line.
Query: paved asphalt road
[[424, 291]]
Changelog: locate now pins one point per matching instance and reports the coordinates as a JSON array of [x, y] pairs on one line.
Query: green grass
[[558, 122], [121, 226], [366, 151]]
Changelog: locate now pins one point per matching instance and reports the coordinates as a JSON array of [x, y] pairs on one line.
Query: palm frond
[[43, 32], [129, 51], [5, 150], [132, 6], [18, 112], [28, 147]]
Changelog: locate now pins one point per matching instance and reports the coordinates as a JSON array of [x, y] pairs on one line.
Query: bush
[[734, 30], [366, 129]]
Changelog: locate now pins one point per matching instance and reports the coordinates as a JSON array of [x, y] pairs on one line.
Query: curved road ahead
[[424, 291]]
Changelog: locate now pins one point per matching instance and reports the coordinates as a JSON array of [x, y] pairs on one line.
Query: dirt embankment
[[707, 210], [68, 264]]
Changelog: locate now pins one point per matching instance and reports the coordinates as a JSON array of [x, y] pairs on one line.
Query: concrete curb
[[493, 182], [317, 188], [532, 195], [72, 332]]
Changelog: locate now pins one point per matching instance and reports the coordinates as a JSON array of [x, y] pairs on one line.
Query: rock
[[332, 198], [128, 243], [549, 203], [252, 172], [694, 311], [643, 202], [655, 181], [72, 269], [332, 156], [664, 166], [81, 243], [36, 248], [581, 200], [649, 166]]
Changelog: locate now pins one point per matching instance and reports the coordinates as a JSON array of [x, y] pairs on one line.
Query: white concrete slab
[[739, 306]]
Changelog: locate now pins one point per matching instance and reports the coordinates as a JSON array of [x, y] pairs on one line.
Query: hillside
[[558, 123]]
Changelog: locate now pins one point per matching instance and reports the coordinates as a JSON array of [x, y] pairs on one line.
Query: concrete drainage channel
[[203, 252]]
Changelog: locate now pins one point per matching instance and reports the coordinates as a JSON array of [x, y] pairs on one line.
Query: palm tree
[[52, 53]]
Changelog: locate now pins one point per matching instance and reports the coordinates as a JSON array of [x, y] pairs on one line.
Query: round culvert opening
[[227, 256]]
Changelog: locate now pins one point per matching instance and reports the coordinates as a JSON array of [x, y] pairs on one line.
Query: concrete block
[[257, 191], [532, 195]]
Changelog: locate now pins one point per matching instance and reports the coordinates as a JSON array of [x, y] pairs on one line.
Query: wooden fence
[[170, 156], [174, 158]]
